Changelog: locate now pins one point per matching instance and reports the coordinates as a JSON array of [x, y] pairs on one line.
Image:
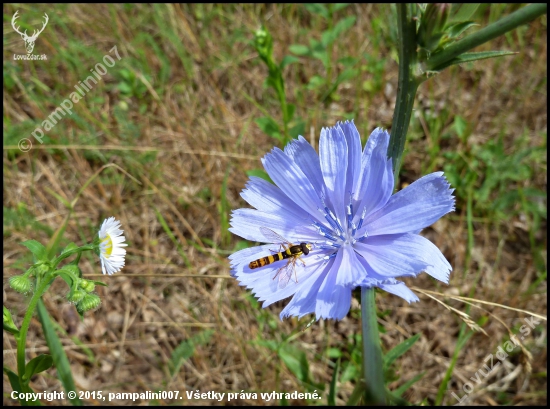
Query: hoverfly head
[[306, 248]]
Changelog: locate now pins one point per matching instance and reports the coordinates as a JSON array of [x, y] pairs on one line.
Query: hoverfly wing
[[285, 274], [271, 236]]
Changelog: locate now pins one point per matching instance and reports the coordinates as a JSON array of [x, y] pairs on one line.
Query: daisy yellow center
[[108, 246]]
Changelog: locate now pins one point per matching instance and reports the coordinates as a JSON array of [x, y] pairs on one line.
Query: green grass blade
[[356, 395], [399, 350], [332, 388], [399, 391], [186, 349], [60, 359], [296, 361], [463, 337]]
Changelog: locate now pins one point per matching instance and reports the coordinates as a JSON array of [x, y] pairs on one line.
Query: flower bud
[[436, 15], [9, 325], [432, 25], [21, 284], [41, 269], [77, 296], [89, 302], [264, 44], [261, 37], [87, 285]]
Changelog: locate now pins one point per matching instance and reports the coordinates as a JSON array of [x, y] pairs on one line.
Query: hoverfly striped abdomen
[[292, 252]]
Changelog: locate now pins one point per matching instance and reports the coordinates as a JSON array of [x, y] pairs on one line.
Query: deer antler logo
[[29, 41]]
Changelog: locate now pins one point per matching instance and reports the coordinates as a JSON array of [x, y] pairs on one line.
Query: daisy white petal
[[111, 246]]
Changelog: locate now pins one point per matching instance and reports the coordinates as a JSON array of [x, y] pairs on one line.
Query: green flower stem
[[407, 85], [373, 370], [282, 99], [22, 337], [69, 253], [329, 47], [508, 23]]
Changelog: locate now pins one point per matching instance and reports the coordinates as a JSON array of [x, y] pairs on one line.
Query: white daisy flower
[[111, 251]]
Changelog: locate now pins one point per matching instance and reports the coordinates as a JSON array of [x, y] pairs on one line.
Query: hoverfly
[[292, 252]]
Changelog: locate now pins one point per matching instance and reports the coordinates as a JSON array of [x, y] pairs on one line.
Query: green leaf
[[329, 36], [22, 388], [471, 57], [344, 25], [357, 393], [69, 279], [70, 274], [332, 389], [11, 330], [101, 283], [186, 349], [60, 359], [9, 325], [315, 82], [316, 46], [462, 11], [463, 337], [267, 343], [58, 197], [347, 74], [317, 8], [14, 382], [296, 361], [69, 247], [460, 126], [403, 388], [299, 49], [124, 88], [297, 130], [269, 126], [395, 400], [287, 60], [260, 173], [56, 238], [240, 245], [71, 269], [321, 55], [348, 61], [399, 350], [37, 249], [350, 372], [340, 6], [290, 109], [456, 29], [37, 365]]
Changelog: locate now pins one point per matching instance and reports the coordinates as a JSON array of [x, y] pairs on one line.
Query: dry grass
[[196, 125]]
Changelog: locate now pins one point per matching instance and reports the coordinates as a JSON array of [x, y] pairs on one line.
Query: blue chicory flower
[[340, 202]]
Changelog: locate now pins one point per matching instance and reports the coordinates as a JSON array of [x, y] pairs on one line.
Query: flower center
[[336, 234], [107, 246]]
